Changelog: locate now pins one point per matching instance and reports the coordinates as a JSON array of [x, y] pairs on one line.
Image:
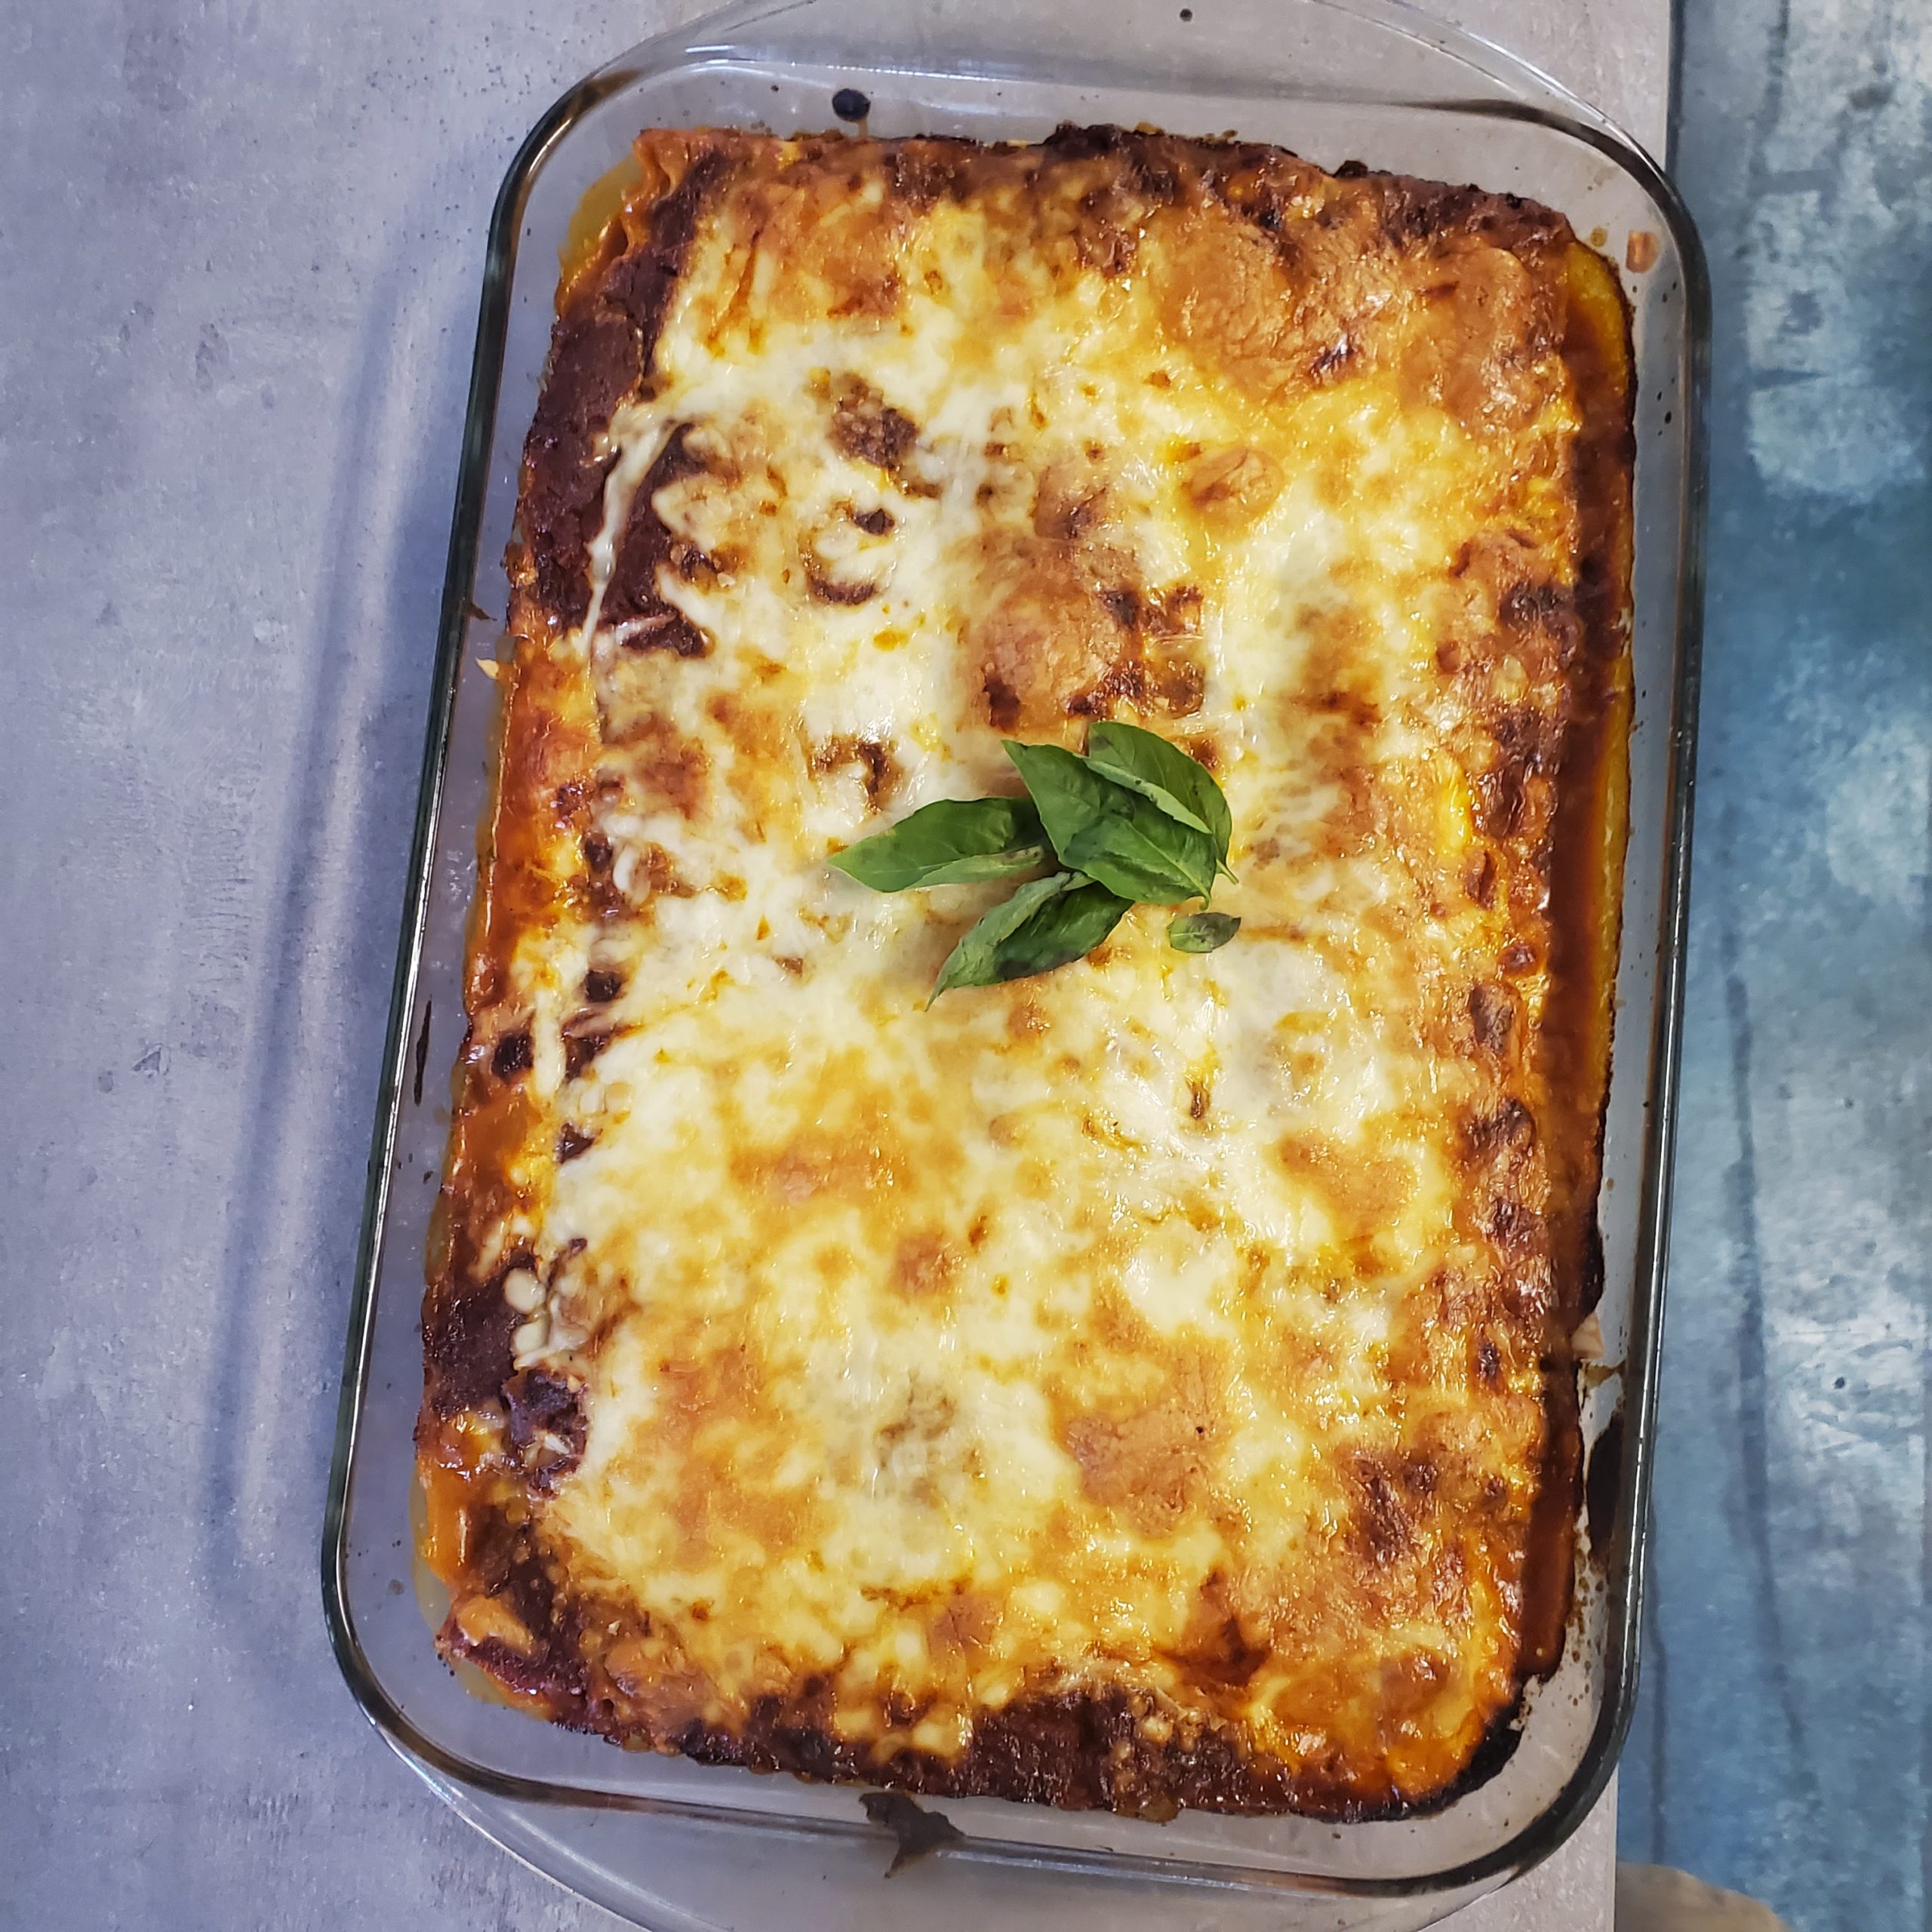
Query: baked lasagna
[[1143, 1385]]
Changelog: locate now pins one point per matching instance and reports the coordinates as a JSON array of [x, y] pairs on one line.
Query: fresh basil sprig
[[955, 841], [1183, 787], [1135, 820], [975, 961], [1049, 923], [1128, 842], [1064, 929]]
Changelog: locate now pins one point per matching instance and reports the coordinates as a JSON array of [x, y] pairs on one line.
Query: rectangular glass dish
[[1331, 83]]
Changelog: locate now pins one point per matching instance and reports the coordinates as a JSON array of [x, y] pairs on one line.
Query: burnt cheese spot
[[1492, 1013], [923, 172], [865, 427], [1509, 1125], [1107, 235], [632, 599], [1384, 1524], [825, 589], [514, 1054], [878, 769], [547, 1428], [1516, 1229], [579, 1049], [1517, 958]]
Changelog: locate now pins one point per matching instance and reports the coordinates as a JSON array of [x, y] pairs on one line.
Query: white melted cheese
[[1071, 1300]]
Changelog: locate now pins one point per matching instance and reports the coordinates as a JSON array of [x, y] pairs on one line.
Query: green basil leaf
[[1202, 932], [1050, 923], [1181, 787], [1064, 929], [1147, 856], [952, 842], [1112, 834], [974, 961]]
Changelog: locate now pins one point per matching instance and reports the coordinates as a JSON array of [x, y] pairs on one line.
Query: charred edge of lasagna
[[1586, 921], [601, 352], [1073, 1751]]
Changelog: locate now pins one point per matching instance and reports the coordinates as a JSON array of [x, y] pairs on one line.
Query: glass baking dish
[[1333, 80]]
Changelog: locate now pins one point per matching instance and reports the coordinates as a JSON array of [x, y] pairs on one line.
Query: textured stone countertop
[[239, 250]]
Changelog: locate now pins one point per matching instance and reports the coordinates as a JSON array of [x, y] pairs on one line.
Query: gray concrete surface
[[239, 250]]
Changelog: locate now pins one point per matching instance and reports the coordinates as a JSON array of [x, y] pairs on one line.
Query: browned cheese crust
[[1138, 1609]]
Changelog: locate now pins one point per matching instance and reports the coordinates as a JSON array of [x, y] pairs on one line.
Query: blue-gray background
[[239, 247], [1782, 1744]]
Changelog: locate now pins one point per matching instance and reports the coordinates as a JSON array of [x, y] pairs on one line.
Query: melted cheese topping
[[1149, 1329]]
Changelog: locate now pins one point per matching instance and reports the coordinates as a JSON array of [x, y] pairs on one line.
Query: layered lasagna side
[[1146, 1384]]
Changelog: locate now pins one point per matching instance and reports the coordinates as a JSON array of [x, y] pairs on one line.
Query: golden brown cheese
[[1143, 1385]]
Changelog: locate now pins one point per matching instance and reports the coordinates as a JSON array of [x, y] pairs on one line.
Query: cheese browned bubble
[[1128, 1385]]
